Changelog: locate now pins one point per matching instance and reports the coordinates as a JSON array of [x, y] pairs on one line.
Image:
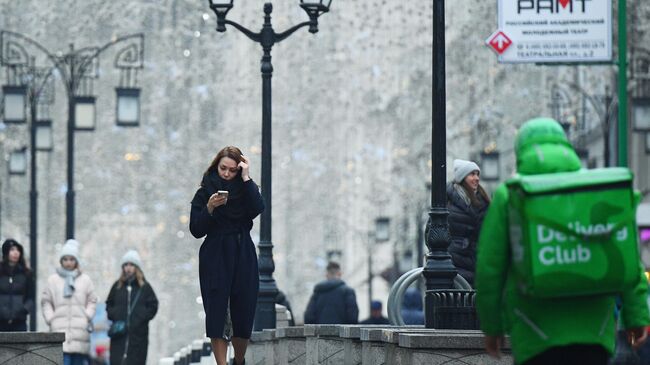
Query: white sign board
[[556, 30]]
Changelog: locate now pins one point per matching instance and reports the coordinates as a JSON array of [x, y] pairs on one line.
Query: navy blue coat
[[464, 227], [332, 302], [412, 312], [228, 271]]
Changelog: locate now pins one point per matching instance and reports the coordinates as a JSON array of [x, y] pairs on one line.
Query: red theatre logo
[[499, 42], [552, 6]]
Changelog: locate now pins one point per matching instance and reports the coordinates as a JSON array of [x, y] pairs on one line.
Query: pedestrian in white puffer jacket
[[69, 303]]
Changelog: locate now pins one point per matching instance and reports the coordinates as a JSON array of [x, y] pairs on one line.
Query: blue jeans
[[75, 359]]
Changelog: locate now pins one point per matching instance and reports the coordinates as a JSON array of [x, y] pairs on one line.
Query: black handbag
[[121, 328], [117, 329]]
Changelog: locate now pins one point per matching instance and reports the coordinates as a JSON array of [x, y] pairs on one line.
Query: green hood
[[542, 147]]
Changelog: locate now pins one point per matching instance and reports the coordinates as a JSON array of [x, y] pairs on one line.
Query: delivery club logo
[[553, 252], [552, 6]]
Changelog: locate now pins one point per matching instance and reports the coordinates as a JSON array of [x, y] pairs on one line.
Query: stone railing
[[368, 345], [200, 351], [351, 345], [33, 348]]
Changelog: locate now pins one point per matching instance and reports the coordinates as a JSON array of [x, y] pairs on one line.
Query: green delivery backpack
[[573, 233]]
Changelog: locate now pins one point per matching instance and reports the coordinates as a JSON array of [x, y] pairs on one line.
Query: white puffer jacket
[[70, 315]]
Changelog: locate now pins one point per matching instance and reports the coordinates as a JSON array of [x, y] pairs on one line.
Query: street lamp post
[[438, 272], [78, 68], [32, 82], [27, 82], [267, 37]]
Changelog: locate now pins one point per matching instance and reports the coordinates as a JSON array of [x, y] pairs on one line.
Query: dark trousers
[[14, 326], [571, 355]]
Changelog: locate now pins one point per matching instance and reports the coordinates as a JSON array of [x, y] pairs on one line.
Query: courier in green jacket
[[558, 330]]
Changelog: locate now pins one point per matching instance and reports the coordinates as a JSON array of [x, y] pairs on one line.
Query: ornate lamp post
[[33, 84], [267, 37], [439, 272], [78, 68]]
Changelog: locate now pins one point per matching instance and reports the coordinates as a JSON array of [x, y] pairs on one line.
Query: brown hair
[[139, 276], [473, 197], [228, 151]]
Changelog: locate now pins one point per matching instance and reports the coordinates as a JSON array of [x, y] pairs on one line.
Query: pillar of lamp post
[[33, 81], [267, 37], [439, 272]]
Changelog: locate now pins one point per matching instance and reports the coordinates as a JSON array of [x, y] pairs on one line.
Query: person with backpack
[[16, 286], [131, 304], [516, 299], [69, 301]]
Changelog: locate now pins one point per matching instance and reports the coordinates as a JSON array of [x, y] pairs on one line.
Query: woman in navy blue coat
[[228, 269]]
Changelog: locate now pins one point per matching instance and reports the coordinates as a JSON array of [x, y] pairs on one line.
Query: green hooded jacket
[[534, 324]]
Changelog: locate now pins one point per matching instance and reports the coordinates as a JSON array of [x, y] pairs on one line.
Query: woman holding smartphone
[[228, 269]]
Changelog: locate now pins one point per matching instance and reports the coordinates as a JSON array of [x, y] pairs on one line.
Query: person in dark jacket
[[376, 316], [467, 202], [412, 312], [132, 300], [223, 210], [332, 302], [16, 288]]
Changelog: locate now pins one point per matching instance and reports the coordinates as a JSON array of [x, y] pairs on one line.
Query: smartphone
[[223, 192]]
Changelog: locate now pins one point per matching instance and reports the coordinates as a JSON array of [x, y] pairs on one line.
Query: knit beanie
[[7, 245], [462, 168], [133, 257], [70, 248]]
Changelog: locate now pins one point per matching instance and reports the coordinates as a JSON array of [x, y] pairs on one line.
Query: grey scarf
[[69, 276]]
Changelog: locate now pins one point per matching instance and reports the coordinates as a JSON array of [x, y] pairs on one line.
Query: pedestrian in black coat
[[223, 209], [16, 288], [467, 202], [333, 302], [376, 316], [131, 348]]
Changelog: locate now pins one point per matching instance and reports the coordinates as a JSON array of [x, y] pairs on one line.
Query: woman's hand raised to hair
[[244, 168]]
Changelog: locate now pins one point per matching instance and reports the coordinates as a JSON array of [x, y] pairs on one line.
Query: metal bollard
[[166, 361], [206, 353], [188, 354], [182, 352], [195, 355]]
